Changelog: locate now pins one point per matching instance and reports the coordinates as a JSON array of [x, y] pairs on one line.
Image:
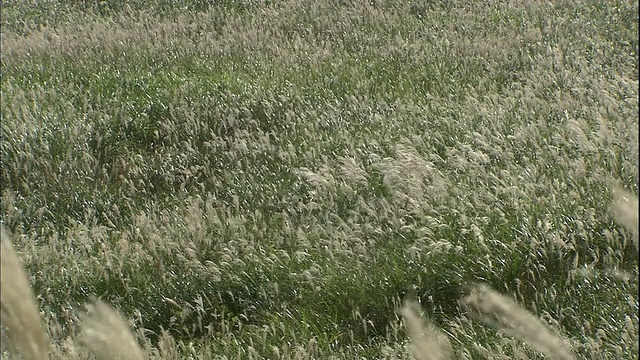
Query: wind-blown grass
[[108, 335], [104, 332], [428, 343], [20, 316], [492, 307], [625, 211], [273, 179]]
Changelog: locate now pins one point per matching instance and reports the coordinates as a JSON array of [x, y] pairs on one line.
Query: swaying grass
[[625, 211], [108, 335], [256, 179], [428, 343], [492, 307], [104, 331], [20, 315]]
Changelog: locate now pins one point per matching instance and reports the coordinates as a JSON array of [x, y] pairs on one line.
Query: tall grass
[[108, 335], [104, 332], [254, 179], [20, 316]]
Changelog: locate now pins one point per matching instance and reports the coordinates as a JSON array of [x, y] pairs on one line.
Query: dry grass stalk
[[108, 335], [20, 315], [625, 210], [491, 307], [427, 342]]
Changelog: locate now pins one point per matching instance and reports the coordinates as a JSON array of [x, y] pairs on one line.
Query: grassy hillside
[[272, 179]]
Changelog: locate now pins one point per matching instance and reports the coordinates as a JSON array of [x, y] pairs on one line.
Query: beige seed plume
[[624, 210], [491, 307], [20, 315], [427, 342], [107, 334]]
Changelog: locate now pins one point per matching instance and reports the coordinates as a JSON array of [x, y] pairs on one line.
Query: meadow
[[299, 179]]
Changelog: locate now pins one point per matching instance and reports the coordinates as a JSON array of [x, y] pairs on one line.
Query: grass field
[[244, 179]]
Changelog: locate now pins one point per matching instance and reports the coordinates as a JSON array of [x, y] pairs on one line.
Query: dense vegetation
[[273, 178]]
